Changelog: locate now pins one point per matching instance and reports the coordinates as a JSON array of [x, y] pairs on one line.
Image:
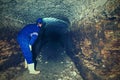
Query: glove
[[30, 47]]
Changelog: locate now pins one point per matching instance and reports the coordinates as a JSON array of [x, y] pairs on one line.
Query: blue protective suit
[[27, 36]]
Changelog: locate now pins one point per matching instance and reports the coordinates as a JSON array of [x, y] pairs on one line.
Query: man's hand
[[30, 47]]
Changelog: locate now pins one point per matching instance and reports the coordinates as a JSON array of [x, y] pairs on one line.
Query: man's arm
[[34, 36]]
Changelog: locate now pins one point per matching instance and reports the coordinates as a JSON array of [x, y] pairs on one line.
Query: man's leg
[[28, 57], [26, 65]]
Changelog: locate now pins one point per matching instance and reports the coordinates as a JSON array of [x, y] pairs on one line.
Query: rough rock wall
[[19, 12], [97, 44]]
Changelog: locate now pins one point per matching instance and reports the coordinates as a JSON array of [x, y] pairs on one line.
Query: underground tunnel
[[79, 41], [52, 37]]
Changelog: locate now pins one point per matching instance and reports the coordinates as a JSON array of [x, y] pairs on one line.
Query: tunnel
[[79, 40], [53, 37]]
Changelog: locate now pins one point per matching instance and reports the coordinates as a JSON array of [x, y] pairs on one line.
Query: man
[[26, 38]]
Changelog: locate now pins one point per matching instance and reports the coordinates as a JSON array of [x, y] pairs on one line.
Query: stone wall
[[97, 45], [16, 13]]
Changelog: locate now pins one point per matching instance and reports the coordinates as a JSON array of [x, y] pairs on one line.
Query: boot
[[26, 65], [31, 69]]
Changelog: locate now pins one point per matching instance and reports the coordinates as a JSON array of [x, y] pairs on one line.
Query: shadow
[[51, 39], [54, 39], [12, 61], [72, 51]]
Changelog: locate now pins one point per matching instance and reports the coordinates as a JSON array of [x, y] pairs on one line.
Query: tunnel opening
[[54, 47], [52, 39]]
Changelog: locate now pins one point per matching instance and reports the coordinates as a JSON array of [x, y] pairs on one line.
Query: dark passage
[[53, 38]]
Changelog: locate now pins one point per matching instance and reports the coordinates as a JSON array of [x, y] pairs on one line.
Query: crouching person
[[26, 38]]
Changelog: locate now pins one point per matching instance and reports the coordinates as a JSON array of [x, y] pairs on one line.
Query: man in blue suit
[[26, 38]]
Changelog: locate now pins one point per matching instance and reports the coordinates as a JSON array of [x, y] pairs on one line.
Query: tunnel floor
[[57, 67]]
